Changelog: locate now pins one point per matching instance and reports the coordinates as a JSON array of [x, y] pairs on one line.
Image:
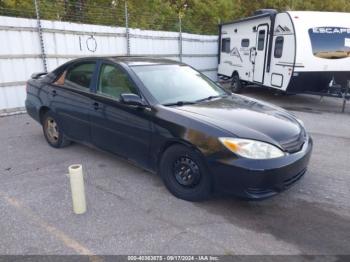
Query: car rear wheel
[[236, 85], [185, 174], [53, 133]]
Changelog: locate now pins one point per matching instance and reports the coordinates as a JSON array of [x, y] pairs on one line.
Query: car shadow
[[309, 226]]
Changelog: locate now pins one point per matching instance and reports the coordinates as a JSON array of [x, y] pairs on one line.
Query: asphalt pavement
[[131, 212]]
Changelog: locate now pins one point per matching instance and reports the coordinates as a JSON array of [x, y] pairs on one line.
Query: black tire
[[53, 133], [236, 85], [199, 182]]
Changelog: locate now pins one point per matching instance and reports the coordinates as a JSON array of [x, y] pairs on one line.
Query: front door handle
[[96, 105], [54, 93]]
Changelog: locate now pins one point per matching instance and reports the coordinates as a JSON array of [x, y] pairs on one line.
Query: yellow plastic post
[[77, 188]]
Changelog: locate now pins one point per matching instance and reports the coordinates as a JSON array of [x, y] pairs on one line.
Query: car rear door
[[116, 127], [71, 99]]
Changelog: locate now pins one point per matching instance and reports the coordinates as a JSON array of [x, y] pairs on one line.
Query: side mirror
[[132, 100]]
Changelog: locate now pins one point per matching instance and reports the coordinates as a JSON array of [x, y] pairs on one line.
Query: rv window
[[245, 42], [225, 45], [330, 42], [261, 40], [278, 47]]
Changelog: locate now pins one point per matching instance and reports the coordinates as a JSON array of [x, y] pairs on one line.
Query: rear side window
[[225, 45], [80, 76], [278, 47], [261, 40], [245, 42]]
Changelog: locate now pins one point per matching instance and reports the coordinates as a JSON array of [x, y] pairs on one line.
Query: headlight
[[251, 148]]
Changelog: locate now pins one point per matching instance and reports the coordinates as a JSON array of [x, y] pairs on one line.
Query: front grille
[[283, 185], [294, 144], [290, 181], [260, 191]]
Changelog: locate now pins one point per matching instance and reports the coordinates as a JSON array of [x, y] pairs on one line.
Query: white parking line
[[64, 238]]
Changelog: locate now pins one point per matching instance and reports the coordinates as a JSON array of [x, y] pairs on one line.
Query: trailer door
[[260, 57]]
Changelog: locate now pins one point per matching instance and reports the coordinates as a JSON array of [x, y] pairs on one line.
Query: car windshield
[[177, 84]]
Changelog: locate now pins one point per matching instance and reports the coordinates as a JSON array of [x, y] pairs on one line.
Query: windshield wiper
[[210, 98], [179, 103]]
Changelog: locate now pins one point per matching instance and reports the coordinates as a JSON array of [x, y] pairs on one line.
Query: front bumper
[[258, 179]]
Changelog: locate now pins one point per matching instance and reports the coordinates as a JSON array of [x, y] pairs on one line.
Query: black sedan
[[170, 119]]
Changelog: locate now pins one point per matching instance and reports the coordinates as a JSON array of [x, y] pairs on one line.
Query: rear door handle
[[54, 92], [96, 105]]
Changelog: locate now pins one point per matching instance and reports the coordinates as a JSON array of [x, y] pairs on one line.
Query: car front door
[[70, 99], [116, 127]]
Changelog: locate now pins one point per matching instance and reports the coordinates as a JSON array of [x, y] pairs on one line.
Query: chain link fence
[[39, 35], [113, 12]]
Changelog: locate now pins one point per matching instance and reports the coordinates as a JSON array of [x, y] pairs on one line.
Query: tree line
[[197, 16]]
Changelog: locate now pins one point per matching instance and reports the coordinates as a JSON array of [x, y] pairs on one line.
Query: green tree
[[198, 16]]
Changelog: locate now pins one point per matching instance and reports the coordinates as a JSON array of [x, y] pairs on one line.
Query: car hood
[[247, 118]]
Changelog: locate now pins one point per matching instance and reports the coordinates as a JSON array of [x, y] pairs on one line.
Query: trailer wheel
[[236, 85]]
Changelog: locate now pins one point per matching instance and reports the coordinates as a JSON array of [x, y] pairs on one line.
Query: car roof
[[128, 60], [134, 60]]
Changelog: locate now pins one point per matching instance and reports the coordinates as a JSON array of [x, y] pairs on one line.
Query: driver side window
[[113, 82]]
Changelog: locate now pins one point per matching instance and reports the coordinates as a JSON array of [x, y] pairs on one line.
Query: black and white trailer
[[294, 52]]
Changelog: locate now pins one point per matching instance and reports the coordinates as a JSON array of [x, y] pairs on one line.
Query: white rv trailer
[[295, 52]]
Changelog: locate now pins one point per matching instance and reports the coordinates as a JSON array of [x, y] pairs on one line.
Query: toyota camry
[[172, 120]]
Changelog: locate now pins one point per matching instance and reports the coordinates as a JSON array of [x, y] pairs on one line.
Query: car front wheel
[[53, 133], [185, 174]]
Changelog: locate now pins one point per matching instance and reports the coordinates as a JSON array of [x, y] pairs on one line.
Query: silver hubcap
[[52, 130]]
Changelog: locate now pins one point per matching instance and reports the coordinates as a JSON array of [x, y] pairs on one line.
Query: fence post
[[180, 36], [127, 34], [40, 33]]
